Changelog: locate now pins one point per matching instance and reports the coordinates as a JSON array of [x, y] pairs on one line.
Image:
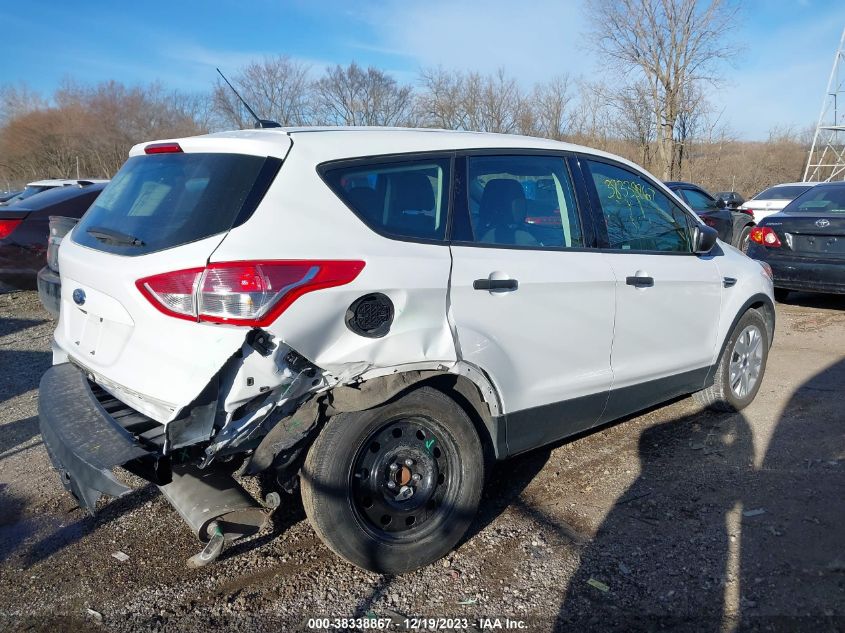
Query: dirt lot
[[675, 519]]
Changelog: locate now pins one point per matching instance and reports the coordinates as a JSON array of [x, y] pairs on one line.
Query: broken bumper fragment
[[84, 442]]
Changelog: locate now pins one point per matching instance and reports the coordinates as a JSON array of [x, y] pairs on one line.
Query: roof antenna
[[259, 123]]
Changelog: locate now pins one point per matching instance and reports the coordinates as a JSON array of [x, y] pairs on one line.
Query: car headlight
[[767, 270]]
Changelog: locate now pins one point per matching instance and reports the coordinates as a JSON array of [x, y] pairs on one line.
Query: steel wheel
[[402, 478], [746, 361], [396, 486]]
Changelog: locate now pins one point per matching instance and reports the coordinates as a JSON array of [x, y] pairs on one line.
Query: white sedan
[[775, 198]]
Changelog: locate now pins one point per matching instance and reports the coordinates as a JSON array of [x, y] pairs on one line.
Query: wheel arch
[[764, 305], [469, 389]]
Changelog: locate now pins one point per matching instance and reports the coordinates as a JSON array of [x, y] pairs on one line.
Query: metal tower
[[826, 161]]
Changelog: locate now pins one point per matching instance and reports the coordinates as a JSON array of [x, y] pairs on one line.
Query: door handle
[[495, 284], [640, 282]]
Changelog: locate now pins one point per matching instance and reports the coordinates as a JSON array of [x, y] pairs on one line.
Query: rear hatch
[[166, 210]]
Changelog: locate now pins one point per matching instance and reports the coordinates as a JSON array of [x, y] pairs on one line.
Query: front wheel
[[740, 368], [394, 488]]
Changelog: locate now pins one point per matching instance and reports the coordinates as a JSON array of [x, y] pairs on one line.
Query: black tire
[[722, 395], [781, 294], [358, 455], [744, 238]]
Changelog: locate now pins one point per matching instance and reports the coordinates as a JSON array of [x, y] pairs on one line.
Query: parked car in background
[[39, 186], [805, 243], [733, 227], [24, 229], [733, 199], [49, 282], [8, 195], [774, 199], [371, 315]]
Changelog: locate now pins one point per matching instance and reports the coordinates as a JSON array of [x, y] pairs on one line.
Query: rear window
[[781, 193], [825, 198], [398, 199], [161, 201], [28, 192]]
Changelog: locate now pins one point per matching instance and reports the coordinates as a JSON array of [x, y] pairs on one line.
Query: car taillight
[[243, 293], [765, 236], [544, 220], [163, 148], [708, 221], [7, 226], [746, 211]]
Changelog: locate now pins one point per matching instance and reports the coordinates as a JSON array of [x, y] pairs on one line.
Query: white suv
[[378, 315]]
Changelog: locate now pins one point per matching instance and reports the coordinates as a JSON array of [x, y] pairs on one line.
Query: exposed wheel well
[[461, 389]]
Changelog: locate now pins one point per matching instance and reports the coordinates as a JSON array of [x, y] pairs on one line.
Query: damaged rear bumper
[[85, 443]]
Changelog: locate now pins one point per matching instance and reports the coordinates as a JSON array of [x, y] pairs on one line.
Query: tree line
[[659, 115]]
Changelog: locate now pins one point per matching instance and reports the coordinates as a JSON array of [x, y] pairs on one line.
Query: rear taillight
[[765, 236], [746, 211], [7, 226], [243, 293]]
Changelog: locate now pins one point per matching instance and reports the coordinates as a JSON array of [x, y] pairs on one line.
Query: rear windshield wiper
[[109, 235]]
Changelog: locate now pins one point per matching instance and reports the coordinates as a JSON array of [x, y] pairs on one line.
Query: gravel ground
[[676, 519]]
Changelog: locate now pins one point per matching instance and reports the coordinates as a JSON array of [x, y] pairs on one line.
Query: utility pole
[[826, 161]]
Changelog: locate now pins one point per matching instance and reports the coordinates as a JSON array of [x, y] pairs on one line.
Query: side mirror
[[703, 239], [720, 203]]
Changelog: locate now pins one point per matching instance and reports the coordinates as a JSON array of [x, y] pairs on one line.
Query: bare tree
[[592, 118], [277, 88], [17, 100], [89, 127], [549, 106], [635, 120], [352, 95], [440, 102], [472, 101], [672, 45], [693, 118]]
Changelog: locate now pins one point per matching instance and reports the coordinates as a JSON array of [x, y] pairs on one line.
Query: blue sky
[[778, 79]]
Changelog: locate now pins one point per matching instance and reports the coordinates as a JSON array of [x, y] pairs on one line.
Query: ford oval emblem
[[79, 296], [822, 223]]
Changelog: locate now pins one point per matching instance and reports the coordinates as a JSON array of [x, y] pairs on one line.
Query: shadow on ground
[[12, 326], [15, 434], [816, 300], [709, 542], [28, 369]]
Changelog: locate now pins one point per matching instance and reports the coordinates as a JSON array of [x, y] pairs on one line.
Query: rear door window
[[522, 201], [404, 199], [165, 200], [638, 216]]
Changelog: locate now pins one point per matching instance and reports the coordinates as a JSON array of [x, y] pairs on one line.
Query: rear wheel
[[394, 488], [781, 294], [741, 366]]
